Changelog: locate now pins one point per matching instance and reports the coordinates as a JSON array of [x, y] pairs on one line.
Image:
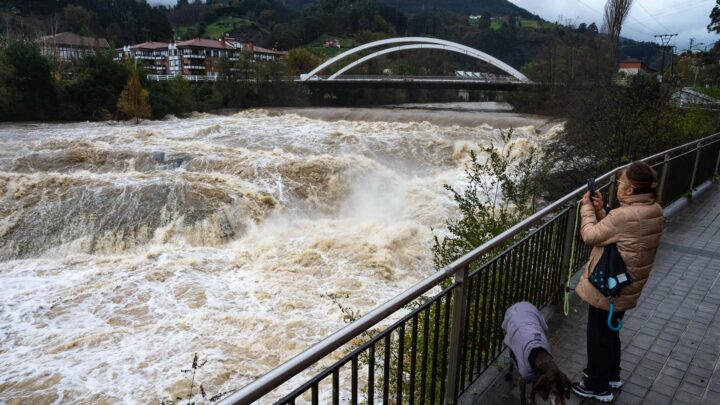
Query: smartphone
[[591, 188]]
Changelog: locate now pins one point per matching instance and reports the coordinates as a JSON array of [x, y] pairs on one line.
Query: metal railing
[[438, 349], [190, 78], [442, 79]]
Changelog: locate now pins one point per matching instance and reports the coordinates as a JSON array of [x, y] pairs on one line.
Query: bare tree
[[615, 13]]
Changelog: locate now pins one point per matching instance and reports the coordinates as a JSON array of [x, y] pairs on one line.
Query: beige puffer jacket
[[635, 227]]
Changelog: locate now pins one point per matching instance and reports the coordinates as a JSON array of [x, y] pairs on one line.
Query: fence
[[436, 351], [190, 78]]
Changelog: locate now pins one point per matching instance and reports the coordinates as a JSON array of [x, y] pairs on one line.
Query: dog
[[532, 362]]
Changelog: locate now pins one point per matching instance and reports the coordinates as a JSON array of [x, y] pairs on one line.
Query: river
[[125, 249]]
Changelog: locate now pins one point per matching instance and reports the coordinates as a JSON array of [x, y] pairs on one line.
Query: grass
[[525, 23], [709, 91], [316, 47], [537, 24], [218, 28]]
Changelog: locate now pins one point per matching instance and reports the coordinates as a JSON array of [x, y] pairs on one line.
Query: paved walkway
[[671, 341]]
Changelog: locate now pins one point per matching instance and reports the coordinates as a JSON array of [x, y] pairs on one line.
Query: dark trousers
[[603, 350]]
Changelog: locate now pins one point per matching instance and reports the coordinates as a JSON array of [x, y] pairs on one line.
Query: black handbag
[[609, 276]]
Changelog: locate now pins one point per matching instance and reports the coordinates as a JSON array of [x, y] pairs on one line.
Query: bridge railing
[[490, 79], [441, 344]]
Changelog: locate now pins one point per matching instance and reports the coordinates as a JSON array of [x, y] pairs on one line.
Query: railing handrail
[[489, 79], [292, 367]]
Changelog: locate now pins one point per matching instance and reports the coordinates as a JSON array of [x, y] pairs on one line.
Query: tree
[[31, 83], [715, 18], [300, 60], [93, 95], [78, 19], [611, 125], [6, 94], [134, 100], [501, 191], [485, 21], [201, 28], [592, 29], [172, 97], [615, 13]]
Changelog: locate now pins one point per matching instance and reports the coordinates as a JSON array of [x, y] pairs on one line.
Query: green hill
[[494, 7]]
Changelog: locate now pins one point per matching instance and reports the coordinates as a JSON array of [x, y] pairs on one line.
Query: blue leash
[[609, 320]]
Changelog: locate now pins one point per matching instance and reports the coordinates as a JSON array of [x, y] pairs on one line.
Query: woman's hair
[[643, 178]]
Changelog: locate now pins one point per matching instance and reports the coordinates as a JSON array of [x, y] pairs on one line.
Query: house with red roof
[[633, 67]]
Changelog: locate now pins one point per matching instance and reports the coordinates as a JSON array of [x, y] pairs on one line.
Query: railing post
[[663, 176], [698, 149], [567, 246], [459, 317], [611, 193]]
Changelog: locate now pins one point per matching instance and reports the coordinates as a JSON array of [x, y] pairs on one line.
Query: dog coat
[[525, 329]]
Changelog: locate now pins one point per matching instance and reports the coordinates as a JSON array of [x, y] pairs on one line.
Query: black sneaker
[[616, 385], [602, 396]]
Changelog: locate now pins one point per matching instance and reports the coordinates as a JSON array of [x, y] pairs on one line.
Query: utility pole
[[664, 41], [696, 70], [672, 56]]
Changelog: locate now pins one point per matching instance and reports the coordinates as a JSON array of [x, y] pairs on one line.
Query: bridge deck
[[671, 341], [428, 82]]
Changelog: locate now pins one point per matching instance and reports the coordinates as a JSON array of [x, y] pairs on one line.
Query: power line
[[637, 30], [602, 14], [590, 7], [683, 8], [641, 24], [649, 15]]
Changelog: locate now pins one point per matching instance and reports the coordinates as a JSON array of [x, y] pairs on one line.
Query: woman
[[635, 228]]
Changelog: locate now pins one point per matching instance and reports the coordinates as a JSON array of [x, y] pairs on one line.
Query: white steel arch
[[395, 49], [441, 44]]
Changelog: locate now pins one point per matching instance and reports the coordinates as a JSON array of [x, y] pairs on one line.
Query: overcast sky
[[687, 18]]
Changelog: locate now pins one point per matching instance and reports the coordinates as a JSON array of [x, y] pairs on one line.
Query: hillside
[[119, 21], [494, 7]]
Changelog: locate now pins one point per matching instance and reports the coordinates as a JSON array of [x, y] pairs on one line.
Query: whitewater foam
[[126, 249]]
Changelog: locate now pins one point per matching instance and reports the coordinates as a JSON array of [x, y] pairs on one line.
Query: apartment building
[[151, 56], [261, 54], [196, 59], [65, 48], [68, 47], [201, 57]]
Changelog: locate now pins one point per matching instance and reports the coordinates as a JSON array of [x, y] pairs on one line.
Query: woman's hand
[[586, 198], [597, 202]]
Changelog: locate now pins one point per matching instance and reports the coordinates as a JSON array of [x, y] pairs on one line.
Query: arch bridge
[[461, 80]]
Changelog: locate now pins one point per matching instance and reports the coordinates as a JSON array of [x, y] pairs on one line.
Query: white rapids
[[126, 249]]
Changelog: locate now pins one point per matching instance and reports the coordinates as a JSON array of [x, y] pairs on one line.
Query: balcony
[[149, 57]]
